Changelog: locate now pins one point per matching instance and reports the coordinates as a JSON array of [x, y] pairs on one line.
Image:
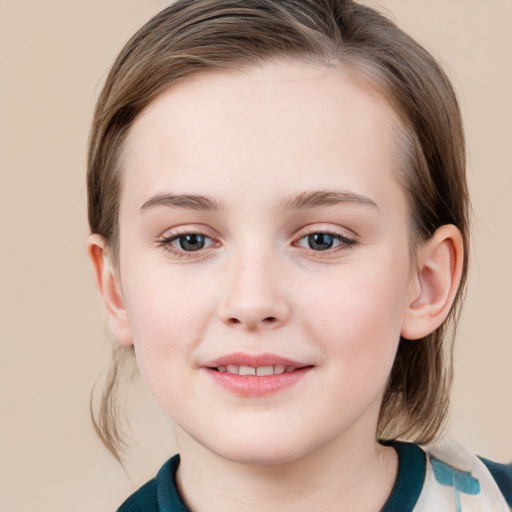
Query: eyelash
[[345, 242], [166, 242]]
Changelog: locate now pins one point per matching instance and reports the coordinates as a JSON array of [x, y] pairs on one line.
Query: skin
[[253, 143]]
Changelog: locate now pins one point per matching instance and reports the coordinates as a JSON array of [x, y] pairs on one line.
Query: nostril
[[252, 321]]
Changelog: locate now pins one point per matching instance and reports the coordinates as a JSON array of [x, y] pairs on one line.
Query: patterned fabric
[[458, 481]]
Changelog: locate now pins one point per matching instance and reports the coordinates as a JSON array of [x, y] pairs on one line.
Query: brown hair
[[193, 36]]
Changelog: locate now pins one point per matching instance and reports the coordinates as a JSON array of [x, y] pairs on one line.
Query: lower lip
[[251, 385]]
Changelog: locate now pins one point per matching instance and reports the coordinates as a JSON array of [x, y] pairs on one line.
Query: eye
[[320, 241], [191, 242], [182, 243], [324, 241]]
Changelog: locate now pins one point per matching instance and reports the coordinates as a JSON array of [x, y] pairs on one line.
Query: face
[[264, 258]]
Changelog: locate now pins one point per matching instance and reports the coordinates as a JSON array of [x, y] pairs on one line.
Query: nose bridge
[[255, 297]]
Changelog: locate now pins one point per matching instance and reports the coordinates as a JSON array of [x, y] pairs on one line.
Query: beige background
[[54, 340]]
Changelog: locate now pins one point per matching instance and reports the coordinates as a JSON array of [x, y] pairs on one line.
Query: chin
[[267, 451], [261, 457]]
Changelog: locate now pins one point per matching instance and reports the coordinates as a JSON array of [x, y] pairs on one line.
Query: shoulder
[[455, 475], [159, 494], [142, 500], [502, 475]]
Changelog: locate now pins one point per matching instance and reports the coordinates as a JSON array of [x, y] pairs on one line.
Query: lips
[[260, 371], [255, 375], [254, 361]]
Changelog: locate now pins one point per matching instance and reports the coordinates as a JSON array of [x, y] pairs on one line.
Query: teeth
[[247, 370], [265, 370], [260, 371], [232, 368]]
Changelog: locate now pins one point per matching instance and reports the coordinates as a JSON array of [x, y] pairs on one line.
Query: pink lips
[[254, 360], [224, 371]]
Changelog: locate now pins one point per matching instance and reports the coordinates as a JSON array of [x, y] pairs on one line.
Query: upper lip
[[253, 360]]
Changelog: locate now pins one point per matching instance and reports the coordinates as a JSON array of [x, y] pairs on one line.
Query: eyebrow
[[319, 198], [186, 201], [303, 200]]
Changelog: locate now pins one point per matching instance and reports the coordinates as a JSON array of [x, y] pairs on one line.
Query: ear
[[109, 285], [435, 282]]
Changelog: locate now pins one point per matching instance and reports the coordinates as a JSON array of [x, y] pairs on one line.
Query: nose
[[256, 298]]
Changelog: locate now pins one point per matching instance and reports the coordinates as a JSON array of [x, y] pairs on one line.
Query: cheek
[[167, 321], [358, 316]]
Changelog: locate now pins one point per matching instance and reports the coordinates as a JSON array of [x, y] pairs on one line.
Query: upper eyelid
[[336, 231], [324, 230], [175, 236], [178, 231]]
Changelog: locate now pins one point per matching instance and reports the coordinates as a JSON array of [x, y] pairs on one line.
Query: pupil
[[191, 242], [320, 241]]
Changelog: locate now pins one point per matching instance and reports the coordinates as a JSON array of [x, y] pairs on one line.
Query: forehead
[[277, 122]]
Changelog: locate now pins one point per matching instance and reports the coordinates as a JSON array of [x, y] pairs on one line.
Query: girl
[[279, 219]]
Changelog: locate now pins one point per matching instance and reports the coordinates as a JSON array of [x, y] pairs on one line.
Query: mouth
[[256, 375], [259, 371]]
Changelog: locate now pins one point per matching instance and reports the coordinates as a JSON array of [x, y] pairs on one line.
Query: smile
[[251, 375], [259, 371]]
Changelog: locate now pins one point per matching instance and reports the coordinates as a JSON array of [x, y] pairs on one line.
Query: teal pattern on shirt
[[461, 481]]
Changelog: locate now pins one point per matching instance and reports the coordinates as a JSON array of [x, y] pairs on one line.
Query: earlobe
[[108, 284], [435, 283]]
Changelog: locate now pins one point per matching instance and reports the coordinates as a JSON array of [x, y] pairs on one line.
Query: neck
[[342, 475]]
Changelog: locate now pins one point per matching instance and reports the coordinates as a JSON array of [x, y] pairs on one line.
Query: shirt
[[446, 478]]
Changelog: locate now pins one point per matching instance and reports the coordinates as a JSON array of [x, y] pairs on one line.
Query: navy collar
[[404, 496]]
